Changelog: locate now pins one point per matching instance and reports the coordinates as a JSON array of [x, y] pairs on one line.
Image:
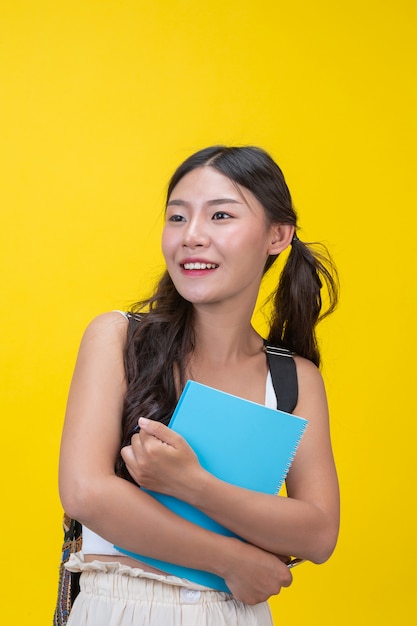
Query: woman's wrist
[[227, 555], [199, 484]]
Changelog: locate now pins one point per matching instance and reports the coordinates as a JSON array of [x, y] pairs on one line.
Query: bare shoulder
[[307, 372], [107, 328], [311, 390]]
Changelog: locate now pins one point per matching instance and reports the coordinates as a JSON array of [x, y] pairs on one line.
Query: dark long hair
[[159, 346]]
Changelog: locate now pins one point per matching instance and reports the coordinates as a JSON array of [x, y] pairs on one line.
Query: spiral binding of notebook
[[291, 457]]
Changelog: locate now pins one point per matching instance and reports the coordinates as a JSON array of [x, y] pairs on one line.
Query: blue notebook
[[240, 442]]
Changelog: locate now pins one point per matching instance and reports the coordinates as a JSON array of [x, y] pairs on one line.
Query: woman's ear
[[281, 237]]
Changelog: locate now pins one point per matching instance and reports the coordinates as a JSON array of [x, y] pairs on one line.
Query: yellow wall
[[101, 99]]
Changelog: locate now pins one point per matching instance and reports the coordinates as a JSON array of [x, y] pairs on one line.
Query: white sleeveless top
[[94, 544]]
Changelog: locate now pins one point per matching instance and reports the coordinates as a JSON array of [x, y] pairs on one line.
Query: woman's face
[[215, 239]]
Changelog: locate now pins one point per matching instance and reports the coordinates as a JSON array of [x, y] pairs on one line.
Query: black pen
[[294, 562]]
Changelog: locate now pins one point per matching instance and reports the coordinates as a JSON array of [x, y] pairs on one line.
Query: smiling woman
[[228, 216], [210, 221]]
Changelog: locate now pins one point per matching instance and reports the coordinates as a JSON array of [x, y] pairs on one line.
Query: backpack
[[284, 379]]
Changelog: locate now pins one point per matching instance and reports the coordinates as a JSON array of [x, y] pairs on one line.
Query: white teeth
[[200, 266]]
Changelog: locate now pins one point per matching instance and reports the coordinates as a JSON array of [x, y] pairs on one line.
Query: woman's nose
[[196, 234]]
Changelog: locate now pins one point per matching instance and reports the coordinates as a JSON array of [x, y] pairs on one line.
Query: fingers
[[127, 454], [159, 431], [152, 427], [158, 459], [129, 457], [287, 579]]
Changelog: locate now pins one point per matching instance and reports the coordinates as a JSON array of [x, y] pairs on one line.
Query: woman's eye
[[175, 218], [221, 215]]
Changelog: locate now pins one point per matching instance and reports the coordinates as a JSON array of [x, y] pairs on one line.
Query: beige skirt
[[117, 595]]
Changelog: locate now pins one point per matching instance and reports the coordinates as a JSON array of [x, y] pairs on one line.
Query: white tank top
[[94, 544]]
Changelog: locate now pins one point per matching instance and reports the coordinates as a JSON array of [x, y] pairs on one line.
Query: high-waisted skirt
[[112, 594]]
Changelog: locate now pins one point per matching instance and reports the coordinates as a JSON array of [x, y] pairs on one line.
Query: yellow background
[[100, 100]]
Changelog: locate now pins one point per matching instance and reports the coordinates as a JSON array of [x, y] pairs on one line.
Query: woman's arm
[[119, 511], [304, 524]]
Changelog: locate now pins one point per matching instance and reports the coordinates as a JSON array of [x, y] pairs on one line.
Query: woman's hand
[[161, 460], [256, 575]]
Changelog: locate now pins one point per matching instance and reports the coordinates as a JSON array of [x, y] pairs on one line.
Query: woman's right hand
[[254, 575]]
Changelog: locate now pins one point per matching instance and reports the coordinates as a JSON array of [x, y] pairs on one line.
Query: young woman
[[228, 216]]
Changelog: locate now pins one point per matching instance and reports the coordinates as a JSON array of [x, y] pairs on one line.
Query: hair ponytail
[[297, 302]]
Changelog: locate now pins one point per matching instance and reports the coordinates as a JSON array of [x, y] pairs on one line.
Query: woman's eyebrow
[[214, 202], [223, 201], [177, 203]]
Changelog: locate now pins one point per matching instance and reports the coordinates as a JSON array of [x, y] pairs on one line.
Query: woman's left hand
[[161, 460]]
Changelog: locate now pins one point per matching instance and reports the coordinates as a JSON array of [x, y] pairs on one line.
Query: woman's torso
[[95, 548]]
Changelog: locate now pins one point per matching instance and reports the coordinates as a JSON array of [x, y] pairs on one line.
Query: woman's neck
[[224, 338], [229, 355]]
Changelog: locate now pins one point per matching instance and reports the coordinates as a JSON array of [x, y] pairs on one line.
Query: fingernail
[[143, 421]]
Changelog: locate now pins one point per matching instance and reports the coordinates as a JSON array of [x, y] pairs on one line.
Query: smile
[[200, 266]]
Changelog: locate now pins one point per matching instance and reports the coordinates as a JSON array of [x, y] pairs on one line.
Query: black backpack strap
[[284, 377], [133, 321]]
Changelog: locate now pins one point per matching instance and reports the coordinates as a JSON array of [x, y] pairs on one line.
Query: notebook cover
[[241, 442]]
